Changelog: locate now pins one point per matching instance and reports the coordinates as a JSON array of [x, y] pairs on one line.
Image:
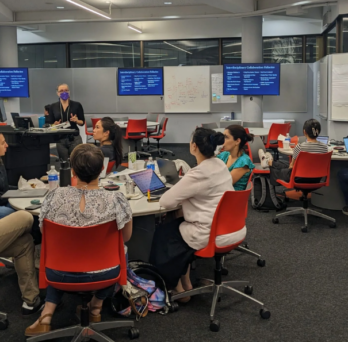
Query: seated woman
[[82, 205], [199, 193], [282, 170], [237, 161], [110, 137]]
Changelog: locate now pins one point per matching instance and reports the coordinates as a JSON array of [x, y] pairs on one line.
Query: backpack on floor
[[263, 194]]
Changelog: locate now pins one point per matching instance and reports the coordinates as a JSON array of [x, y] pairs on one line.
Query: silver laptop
[[168, 169], [25, 193]]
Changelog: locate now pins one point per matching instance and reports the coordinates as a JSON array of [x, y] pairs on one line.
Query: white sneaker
[[263, 159], [269, 156]]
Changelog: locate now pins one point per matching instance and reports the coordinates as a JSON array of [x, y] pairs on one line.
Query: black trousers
[[279, 170], [65, 146]]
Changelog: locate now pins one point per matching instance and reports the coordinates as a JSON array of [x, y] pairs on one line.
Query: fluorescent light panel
[[132, 27], [177, 47], [88, 8]]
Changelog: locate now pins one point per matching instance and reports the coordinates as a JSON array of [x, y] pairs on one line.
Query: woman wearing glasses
[[66, 110]]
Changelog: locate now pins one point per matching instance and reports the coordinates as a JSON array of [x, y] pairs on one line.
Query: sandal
[[92, 318], [40, 329]]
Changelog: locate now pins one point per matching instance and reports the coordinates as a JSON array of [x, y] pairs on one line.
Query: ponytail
[[115, 136]]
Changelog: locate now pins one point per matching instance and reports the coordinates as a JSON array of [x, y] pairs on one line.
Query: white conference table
[[328, 197], [127, 144], [139, 246], [258, 131]]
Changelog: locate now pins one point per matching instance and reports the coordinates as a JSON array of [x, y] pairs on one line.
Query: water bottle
[[287, 142], [53, 179], [65, 173], [150, 164]]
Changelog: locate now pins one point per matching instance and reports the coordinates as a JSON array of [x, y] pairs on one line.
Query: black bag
[[263, 195]]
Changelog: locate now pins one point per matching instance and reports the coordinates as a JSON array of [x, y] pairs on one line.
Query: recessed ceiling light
[[168, 3], [60, 7]]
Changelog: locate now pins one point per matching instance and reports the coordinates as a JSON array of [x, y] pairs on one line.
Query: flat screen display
[[251, 79], [14, 82], [140, 81]]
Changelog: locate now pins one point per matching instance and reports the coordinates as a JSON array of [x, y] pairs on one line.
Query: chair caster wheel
[[174, 307], [224, 271], [248, 290], [265, 314], [332, 225], [3, 324], [275, 220], [304, 229], [246, 246], [133, 333], [261, 262], [215, 326]]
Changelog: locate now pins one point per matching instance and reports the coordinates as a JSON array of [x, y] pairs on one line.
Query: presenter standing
[[66, 110]]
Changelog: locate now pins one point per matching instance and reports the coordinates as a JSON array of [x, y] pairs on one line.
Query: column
[[252, 53], [9, 58]]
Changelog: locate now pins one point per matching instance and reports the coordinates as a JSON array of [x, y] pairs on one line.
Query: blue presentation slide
[[14, 82], [140, 81], [251, 79]]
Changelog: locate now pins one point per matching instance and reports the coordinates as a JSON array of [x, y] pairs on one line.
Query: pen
[[148, 194]]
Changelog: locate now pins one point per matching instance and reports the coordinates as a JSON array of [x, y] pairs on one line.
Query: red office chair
[[137, 130], [69, 249], [161, 133], [229, 218], [272, 140], [308, 165], [110, 166], [151, 117], [88, 133]]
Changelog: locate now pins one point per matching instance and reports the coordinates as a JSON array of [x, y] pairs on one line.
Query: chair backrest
[[254, 147], [94, 121], [110, 166], [248, 151], [123, 118], [229, 218], [224, 124], [211, 125], [162, 127], [251, 124], [311, 165], [69, 249], [152, 117], [276, 129], [137, 126]]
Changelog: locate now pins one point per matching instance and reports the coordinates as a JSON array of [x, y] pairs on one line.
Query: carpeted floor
[[303, 285]]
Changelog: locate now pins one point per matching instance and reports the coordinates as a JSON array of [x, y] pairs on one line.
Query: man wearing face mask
[[66, 110]]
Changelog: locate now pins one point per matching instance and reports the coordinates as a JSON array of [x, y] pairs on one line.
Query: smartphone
[[33, 207], [111, 187]]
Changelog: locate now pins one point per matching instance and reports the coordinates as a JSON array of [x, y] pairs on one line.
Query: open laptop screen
[[323, 139], [147, 180], [346, 143]]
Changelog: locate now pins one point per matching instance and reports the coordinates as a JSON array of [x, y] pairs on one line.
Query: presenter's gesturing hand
[[57, 122], [75, 119]]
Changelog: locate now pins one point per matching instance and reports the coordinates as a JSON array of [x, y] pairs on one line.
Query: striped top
[[311, 147]]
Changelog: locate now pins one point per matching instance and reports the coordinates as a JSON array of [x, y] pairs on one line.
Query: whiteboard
[[217, 81], [187, 89]]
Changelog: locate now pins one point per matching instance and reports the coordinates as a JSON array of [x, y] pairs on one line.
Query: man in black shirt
[[66, 110]]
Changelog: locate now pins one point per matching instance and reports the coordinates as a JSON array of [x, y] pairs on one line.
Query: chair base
[[305, 212], [226, 287], [161, 151], [244, 249], [92, 331]]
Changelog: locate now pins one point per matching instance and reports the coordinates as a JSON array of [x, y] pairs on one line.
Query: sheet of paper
[[340, 85], [217, 91]]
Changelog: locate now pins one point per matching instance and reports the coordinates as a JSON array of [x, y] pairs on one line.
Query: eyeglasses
[[63, 91]]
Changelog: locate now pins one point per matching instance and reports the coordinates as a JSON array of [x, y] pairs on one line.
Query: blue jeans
[[55, 296], [342, 176], [6, 210]]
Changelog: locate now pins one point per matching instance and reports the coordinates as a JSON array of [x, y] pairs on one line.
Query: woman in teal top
[[237, 161]]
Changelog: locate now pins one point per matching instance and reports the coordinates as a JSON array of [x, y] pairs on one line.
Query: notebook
[[148, 180]]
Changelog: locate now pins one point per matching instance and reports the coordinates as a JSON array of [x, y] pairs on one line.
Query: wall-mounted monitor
[[14, 82], [140, 81], [251, 79]]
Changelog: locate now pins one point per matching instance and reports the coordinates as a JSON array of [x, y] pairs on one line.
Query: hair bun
[[250, 137], [217, 139]]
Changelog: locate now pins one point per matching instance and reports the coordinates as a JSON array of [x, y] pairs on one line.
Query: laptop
[[168, 169], [323, 139], [25, 193], [23, 122], [103, 173], [14, 116], [148, 180], [345, 140]]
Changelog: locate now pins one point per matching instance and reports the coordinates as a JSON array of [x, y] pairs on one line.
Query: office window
[[181, 52], [282, 50], [42, 56], [331, 42], [95, 55], [345, 34], [232, 51], [314, 49]]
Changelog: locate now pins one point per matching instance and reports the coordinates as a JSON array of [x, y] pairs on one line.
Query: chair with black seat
[[136, 131], [229, 218], [211, 125], [310, 172], [68, 249], [161, 133]]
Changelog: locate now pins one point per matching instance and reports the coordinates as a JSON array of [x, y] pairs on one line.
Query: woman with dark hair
[[110, 136], [199, 193], [80, 206], [282, 170], [237, 161]]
